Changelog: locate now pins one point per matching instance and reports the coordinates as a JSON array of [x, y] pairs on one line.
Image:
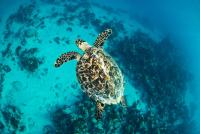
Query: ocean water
[[155, 43]]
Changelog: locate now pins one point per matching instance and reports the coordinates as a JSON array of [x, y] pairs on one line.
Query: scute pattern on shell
[[100, 77]]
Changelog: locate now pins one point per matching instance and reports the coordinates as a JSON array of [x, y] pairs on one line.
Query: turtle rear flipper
[[67, 57], [99, 109], [102, 37]]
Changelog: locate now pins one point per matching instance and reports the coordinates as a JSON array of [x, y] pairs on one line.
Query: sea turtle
[[98, 74]]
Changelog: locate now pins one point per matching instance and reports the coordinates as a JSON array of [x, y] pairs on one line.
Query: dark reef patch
[[61, 21], [7, 51], [3, 70], [48, 129], [2, 76], [158, 71], [23, 14], [57, 40], [82, 118], [69, 29], [1, 127], [29, 33], [27, 59], [13, 119], [116, 119]]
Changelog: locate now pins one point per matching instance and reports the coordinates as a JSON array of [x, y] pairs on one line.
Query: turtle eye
[[94, 50], [102, 105]]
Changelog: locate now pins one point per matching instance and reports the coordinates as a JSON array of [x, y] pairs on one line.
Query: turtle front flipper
[[67, 57], [99, 109], [102, 37]]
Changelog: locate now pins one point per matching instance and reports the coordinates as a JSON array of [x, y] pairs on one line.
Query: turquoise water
[[156, 45]]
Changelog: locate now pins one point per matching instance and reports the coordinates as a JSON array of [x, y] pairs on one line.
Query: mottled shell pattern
[[100, 77]]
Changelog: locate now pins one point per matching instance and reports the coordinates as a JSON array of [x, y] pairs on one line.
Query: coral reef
[[31, 32], [24, 14], [65, 120], [116, 119], [48, 129], [12, 119], [57, 40], [3, 70], [1, 82], [7, 51], [157, 70], [81, 118], [61, 21], [69, 29], [1, 127], [154, 68], [28, 60]]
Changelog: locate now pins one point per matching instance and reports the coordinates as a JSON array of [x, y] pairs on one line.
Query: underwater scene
[[99, 67]]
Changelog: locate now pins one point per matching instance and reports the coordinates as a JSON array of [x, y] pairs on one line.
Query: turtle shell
[[100, 77]]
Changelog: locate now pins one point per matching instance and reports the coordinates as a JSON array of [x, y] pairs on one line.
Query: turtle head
[[83, 45], [108, 32]]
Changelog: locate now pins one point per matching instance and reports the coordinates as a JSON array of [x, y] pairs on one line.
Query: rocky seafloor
[[37, 98]]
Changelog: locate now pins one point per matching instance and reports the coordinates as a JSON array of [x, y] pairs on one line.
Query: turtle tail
[[67, 57]]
